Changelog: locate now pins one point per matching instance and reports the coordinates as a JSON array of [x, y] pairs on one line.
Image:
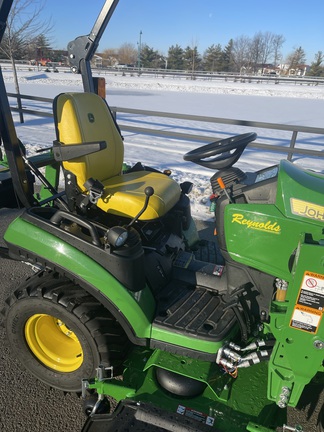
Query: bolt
[[318, 344], [297, 428], [284, 397], [282, 404], [285, 391]]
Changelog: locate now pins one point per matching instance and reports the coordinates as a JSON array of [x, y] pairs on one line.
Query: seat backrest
[[85, 117]]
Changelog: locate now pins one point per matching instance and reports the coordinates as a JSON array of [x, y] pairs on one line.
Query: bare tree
[[23, 24], [265, 49], [257, 50], [255, 53], [127, 54], [277, 42], [241, 53], [110, 57]]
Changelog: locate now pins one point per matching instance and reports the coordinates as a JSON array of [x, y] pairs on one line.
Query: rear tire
[[60, 333]]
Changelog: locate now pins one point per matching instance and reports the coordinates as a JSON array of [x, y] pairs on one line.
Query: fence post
[[292, 145], [100, 86], [20, 108]]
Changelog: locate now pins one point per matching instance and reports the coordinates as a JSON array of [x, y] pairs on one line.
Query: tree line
[[242, 54], [28, 40]]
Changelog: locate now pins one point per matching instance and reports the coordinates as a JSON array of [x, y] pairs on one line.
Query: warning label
[[308, 310], [306, 319], [311, 292], [196, 415]]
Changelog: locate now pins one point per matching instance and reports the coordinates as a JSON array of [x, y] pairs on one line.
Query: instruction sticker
[[306, 319], [195, 415]]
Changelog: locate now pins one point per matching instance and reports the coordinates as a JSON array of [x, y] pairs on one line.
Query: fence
[[288, 150]]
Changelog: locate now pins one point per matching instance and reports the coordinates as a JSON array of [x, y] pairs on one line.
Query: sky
[[190, 22]]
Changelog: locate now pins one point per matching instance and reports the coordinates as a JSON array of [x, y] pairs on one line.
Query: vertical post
[[20, 108], [100, 86], [292, 145], [139, 51]]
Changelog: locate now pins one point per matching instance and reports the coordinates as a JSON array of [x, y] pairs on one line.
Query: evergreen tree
[[192, 59], [176, 58], [41, 47], [316, 69], [150, 58], [227, 58], [296, 58], [212, 59]]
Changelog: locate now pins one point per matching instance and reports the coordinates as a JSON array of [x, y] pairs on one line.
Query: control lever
[[149, 191], [223, 187]]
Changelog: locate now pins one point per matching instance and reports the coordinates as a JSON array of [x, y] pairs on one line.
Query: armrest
[[65, 152]]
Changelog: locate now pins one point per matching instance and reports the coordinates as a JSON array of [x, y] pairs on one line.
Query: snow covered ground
[[291, 104]]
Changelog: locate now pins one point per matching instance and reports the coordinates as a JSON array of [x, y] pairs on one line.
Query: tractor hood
[[265, 236], [300, 193]]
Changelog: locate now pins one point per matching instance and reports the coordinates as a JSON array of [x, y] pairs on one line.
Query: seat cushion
[[124, 195]]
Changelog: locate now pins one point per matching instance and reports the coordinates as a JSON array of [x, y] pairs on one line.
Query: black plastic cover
[[140, 417]]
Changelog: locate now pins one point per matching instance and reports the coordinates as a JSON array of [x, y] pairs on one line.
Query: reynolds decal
[[268, 226]]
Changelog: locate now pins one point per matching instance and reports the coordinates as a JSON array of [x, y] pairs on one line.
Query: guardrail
[[214, 76], [289, 151], [244, 77]]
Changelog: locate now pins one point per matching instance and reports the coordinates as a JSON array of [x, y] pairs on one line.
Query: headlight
[[117, 236]]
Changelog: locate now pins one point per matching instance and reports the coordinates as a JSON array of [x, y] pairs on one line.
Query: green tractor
[[128, 303]]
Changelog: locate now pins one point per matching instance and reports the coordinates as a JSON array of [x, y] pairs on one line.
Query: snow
[[292, 104]]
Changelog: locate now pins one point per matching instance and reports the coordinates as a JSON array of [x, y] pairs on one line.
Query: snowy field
[[289, 104]]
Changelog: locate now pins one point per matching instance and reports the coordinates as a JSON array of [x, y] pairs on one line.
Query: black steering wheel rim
[[216, 155]]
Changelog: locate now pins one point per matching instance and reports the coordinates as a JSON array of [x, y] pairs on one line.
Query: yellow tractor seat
[[83, 118]]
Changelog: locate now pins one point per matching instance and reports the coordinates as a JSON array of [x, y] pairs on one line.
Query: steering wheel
[[216, 155]]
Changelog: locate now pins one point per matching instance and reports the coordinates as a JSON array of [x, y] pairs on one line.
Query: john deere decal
[[307, 209]]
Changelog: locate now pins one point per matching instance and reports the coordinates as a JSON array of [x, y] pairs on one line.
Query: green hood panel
[[300, 194], [265, 236]]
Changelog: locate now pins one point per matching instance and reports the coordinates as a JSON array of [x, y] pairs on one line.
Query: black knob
[[149, 191]]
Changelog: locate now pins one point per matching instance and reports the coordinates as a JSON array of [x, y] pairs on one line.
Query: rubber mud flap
[[141, 417]]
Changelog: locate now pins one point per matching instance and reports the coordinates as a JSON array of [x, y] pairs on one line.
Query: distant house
[[268, 70], [97, 61], [300, 70]]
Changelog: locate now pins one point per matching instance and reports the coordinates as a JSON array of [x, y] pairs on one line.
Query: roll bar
[[82, 49]]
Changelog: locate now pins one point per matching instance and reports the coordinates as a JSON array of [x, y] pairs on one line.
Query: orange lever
[[222, 186], [221, 183]]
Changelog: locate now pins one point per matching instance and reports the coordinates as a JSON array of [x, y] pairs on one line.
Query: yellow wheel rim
[[53, 343]]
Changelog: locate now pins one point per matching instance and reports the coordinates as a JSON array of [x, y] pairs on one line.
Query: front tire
[[60, 333]]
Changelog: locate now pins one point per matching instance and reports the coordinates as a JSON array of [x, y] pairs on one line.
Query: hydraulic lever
[[149, 191]]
